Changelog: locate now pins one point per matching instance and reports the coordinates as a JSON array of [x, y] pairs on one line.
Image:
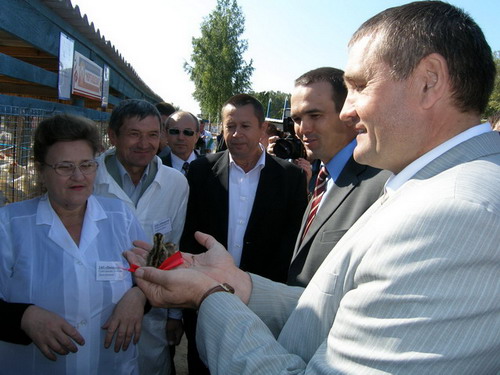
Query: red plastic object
[[172, 261]]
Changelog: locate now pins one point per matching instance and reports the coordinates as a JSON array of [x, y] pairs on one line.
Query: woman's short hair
[[64, 127]]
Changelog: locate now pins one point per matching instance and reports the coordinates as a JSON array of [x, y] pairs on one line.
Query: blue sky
[[286, 37]]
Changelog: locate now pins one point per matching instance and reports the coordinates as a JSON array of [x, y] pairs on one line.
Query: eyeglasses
[[67, 169], [186, 132]]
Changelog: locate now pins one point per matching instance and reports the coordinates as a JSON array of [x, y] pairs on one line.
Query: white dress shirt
[[177, 162], [242, 188]]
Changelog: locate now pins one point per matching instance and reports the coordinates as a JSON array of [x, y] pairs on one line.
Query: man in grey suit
[[413, 286], [351, 188]]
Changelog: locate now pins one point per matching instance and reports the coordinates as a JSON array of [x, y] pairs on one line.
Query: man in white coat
[[157, 194], [413, 287]]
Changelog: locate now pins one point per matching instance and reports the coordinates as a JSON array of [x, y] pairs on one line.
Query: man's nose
[[348, 113]]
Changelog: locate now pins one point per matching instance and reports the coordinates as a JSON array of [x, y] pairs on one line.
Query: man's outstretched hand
[[185, 285]]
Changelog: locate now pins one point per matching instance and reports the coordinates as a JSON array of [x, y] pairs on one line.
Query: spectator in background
[[61, 268], [412, 287], [349, 188], [206, 143], [165, 109], [183, 131], [132, 172], [495, 121], [249, 200], [221, 144]]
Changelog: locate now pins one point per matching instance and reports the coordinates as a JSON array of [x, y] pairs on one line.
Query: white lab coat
[[161, 209], [41, 264]]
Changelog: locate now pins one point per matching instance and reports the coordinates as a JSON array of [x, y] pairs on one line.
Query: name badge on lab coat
[[109, 271], [163, 227]]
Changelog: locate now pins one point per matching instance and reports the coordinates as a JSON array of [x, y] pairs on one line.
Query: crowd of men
[[390, 263]]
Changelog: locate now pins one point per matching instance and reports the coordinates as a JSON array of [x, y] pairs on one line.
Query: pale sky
[[286, 37]]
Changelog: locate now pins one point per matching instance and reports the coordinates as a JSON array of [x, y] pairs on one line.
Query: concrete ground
[[180, 358]]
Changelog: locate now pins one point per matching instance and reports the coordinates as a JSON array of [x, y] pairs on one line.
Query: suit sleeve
[[238, 341], [10, 322]]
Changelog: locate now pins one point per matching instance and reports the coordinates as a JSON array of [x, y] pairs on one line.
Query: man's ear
[[112, 136], [433, 79]]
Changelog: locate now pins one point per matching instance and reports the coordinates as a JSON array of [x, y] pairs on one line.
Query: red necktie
[[319, 191]]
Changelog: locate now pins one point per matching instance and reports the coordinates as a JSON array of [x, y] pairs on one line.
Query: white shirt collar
[[396, 181], [177, 162], [260, 163]]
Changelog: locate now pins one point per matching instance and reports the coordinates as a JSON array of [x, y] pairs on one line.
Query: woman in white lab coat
[[61, 265]]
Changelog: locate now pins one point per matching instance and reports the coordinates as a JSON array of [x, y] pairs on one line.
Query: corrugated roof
[[72, 15]]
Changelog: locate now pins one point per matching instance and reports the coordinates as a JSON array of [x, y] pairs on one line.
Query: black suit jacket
[[274, 222], [357, 187]]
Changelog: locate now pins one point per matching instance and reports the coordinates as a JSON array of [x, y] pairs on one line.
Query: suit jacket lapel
[[267, 192], [347, 181], [221, 171]]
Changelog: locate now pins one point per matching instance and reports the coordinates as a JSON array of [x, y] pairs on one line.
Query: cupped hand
[[186, 285]]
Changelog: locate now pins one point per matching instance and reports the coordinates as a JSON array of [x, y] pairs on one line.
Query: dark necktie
[[319, 191], [185, 168]]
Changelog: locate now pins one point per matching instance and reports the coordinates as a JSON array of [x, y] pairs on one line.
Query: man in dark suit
[[248, 200], [183, 131], [351, 188]]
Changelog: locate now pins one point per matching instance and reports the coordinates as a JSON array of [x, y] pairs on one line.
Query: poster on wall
[[66, 50], [87, 78], [105, 87]]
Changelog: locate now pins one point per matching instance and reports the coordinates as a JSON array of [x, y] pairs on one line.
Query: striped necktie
[[319, 191], [185, 168]]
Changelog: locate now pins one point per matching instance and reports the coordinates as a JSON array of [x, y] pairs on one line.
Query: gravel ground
[[180, 357]]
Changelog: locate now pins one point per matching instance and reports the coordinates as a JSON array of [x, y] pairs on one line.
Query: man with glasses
[[132, 172], [183, 131]]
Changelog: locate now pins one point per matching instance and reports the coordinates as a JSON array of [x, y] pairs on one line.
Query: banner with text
[[87, 78]]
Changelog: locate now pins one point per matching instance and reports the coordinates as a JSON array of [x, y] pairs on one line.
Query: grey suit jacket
[[412, 288], [355, 190]]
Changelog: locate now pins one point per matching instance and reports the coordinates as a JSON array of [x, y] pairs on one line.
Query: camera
[[289, 147]]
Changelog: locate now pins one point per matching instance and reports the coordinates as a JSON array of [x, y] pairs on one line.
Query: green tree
[[274, 101], [218, 69], [494, 103]]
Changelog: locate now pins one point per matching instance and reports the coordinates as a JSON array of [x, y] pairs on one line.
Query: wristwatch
[[224, 287]]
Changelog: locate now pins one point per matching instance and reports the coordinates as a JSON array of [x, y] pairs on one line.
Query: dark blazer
[[167, 159], [357, 187], [274, 222], [10, 324]]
